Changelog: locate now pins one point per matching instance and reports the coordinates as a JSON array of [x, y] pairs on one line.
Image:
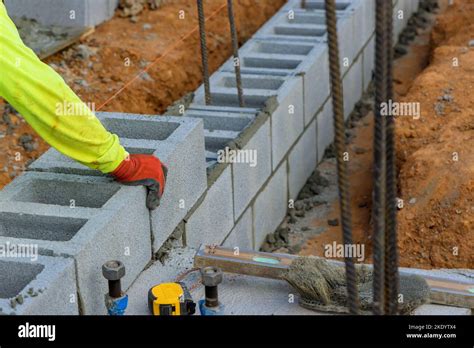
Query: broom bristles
[[318, 280]]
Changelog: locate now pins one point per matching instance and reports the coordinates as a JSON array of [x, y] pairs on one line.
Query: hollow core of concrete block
[[16, 276]]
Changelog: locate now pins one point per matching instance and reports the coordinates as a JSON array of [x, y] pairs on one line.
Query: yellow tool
[[171, 299]]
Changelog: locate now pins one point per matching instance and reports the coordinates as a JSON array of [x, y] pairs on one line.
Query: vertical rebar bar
[[204, 54], [235, 46], [379, 172], [340, 145], [391, 249]]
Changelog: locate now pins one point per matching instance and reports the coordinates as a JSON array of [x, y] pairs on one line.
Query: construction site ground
[[437, 191], [435, 161]]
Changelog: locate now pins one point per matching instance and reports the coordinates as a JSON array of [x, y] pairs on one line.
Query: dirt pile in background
[[435, 157], [436, 161]]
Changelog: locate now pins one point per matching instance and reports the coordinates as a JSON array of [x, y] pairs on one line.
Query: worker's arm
[[57, 114], [42, 97]]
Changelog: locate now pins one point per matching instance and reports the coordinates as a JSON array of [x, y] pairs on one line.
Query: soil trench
[[434, 156]]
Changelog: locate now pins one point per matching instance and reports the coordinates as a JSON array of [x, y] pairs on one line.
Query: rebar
[[379, 172], [340, 144], [204, 54], [392, 282], [235, 46]]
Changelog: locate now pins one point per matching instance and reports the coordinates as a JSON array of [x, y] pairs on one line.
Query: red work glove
[[146, 170]]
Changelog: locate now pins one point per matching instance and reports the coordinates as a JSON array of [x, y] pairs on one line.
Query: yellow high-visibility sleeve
[[52, 109]]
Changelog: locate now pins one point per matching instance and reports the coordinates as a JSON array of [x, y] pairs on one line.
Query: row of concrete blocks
[[287, 59], [70, 13], [67, 210]]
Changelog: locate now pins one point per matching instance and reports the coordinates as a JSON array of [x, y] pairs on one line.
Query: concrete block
[[302, 160], [222, 120], [325, 129], [312, 64], [271, 205], [81, 13], [415, 5], [248, 179], [366, 21], [313, 5], [47, 286], [214, 217], [352, 85], [90, 219], [430, 309], [221, 125], [288, 117], [257, 89], [401, 15], [177, 141], [310, 27], [368, 63], [241, 235]]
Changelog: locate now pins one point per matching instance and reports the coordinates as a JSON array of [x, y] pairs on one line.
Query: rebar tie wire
[[340, 144], [204, 54], [392, 281], [235, 46]]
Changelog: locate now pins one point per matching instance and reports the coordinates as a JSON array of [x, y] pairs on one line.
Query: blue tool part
[[116, 306], [219, 310]]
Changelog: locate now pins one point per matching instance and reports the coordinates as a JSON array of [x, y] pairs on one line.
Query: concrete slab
[[430, 309], [242, 295], [177, 141], [241, 236], [302, 160], [115, 224], [271, 205], [213, 219], [179, 261], [245, 295], [42, 286]]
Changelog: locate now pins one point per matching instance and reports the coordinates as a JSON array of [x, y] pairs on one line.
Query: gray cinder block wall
[[80, 219], [73, 13]]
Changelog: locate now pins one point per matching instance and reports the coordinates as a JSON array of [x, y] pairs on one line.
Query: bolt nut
[[113, 270], [211, 276]]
